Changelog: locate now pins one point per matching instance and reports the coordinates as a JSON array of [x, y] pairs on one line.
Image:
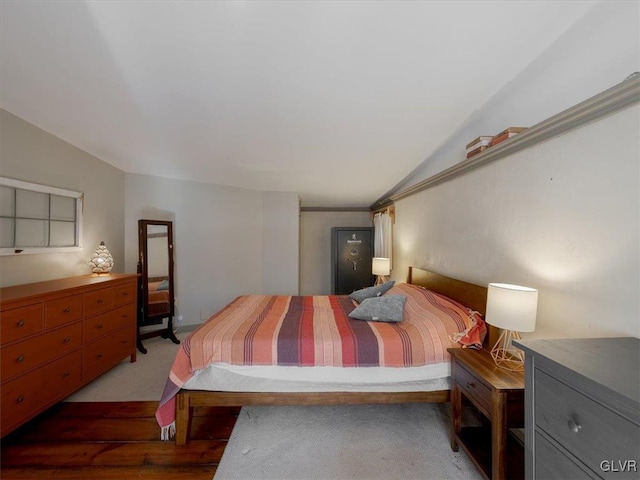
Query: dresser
[[582, 408], [59, 335]]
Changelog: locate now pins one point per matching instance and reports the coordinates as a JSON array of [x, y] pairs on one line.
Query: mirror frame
[[145, 318]]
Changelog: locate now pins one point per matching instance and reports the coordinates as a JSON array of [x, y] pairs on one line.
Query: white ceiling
[[335, 100]]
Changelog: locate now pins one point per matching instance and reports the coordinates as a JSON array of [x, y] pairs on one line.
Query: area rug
[[407, 441]]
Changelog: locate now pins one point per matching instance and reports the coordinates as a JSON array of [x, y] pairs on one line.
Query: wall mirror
[[156, 292]]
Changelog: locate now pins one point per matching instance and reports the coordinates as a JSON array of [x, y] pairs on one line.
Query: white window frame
[[35, 187]]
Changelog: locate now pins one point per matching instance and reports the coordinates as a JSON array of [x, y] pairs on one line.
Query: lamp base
[[505, 355], [380, 279]]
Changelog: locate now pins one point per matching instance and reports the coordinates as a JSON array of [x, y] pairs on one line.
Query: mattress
[[238, 378]]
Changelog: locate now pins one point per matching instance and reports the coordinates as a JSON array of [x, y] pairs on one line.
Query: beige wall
[[228, 241], [280, 243], [30, 154], [562, 216], [315, 246]]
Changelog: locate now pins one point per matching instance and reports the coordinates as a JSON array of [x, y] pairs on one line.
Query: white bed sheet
[[234, 378]]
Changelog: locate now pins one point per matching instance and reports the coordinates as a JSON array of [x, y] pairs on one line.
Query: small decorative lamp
[[381, 267], [513, 309], [101, 260]]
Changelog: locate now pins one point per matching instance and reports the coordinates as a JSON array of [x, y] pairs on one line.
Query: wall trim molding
[[612, 100], [335, 209]]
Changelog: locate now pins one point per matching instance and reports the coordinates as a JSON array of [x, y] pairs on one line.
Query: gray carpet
[[142, 380], [408, 441]]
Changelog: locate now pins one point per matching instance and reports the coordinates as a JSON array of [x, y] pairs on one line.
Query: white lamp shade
[[381, 266], [512, 307]]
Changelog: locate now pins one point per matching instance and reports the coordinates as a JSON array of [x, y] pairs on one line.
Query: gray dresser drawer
[[582, 416], [581, 425], [552, 464]]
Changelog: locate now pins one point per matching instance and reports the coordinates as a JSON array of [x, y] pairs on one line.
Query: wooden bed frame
[[470, 295]]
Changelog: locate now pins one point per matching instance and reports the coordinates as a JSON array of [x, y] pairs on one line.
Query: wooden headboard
[[469, 294]]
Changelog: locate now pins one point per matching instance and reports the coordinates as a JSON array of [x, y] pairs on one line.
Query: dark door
[[352, 253]]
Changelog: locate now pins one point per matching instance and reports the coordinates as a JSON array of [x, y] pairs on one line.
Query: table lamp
[[513, 309], [101, 260], [381, 267]]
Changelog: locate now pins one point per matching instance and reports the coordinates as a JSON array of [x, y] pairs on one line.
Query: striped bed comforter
[[305, 331]]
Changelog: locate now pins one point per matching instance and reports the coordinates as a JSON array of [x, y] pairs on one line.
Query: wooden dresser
[[582, 408], [59, 335]]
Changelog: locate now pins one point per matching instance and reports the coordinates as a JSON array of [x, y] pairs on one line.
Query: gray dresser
[[582, 408]]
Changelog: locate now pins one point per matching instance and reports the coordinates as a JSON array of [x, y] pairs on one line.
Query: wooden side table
[[499, 396]]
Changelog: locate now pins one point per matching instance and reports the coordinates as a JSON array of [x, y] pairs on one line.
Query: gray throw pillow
[[380, 309], [370, 292]]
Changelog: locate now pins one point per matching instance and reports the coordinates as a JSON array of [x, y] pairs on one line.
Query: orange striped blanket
[[316, 331]]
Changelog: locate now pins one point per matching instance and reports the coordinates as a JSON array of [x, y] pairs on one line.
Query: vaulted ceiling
[[336, 100]]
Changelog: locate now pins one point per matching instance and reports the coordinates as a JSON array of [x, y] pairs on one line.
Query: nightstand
[[499, 397]]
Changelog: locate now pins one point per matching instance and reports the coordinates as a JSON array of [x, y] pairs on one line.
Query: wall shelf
[[612, 100]]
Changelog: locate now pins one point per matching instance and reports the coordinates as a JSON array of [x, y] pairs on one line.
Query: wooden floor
[[114, 440]]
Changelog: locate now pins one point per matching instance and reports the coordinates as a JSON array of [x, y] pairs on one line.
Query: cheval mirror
[[156, 290]]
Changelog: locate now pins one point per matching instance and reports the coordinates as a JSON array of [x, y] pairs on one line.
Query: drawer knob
[[66, 340], [67, 310], [100, 355], [66, 374], [574, 426], [100, 301], [20, 399], [99, 326], [471, 385], [20, 358], [20, 323]]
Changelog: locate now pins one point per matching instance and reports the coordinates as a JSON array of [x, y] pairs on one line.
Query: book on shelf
[[477, 150], [481, 141], [507, 133]]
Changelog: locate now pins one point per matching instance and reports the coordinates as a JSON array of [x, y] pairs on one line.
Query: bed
[[224, 363]]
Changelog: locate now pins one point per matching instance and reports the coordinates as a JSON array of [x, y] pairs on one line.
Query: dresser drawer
[[473, 387], [27, 354], [20, 398], [103, 354], [62, 310], [63, 376], [552, 464], [26, 395], [21, 322], [124, 294], [587, 429], [100, 325], [98, 301]]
